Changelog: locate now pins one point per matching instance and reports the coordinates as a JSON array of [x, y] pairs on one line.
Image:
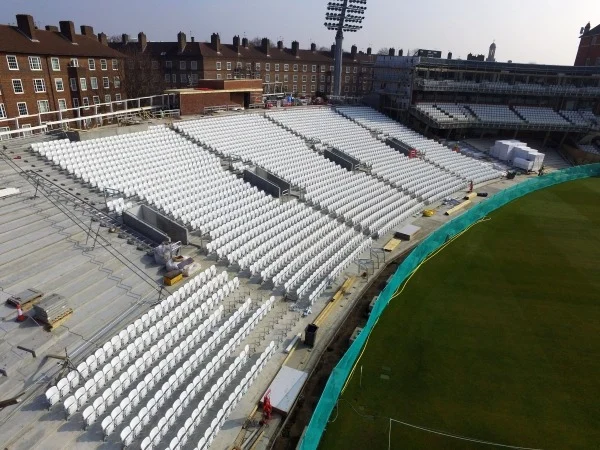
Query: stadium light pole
[[343, 15]]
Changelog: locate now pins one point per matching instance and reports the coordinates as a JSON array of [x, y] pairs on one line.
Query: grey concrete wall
[[154, 225]]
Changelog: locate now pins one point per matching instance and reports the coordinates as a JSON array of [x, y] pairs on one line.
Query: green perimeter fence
[[342, 371]]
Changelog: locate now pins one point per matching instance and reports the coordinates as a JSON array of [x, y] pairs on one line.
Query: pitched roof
[[228, 51], [52, 43], [593, 32]]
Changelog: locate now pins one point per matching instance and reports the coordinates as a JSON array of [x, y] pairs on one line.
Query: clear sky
[[541, 31]]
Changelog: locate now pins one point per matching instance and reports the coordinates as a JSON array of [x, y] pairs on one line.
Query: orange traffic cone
[[20, 316]]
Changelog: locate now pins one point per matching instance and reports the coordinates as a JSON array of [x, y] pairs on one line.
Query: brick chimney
[[215, 41], [181, 41], [400, 52], [51, 28], [353, 52], [245, 42], [266, 46], [313, 47], [86, 30], [26, 26], [142, 41], [236, 43], [391, 51], [67, 29], [125, 39], [296, 48], [280, 45], [369, 51], [103, 39]]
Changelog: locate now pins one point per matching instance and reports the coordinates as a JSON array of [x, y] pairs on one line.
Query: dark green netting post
[[341, 372]]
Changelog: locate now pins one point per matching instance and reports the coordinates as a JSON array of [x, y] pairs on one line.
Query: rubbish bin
[[310, 335]]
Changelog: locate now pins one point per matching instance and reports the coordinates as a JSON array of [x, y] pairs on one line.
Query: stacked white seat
[[259, 141], [541, 116], [495, 114], [186, 182], [447, 171]]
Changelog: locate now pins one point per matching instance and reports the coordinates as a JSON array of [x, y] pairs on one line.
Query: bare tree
[[115, 38], [142, 78], [383, 51], [323, 48]]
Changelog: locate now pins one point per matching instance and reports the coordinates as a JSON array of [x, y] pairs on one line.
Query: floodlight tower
[[343, 15]]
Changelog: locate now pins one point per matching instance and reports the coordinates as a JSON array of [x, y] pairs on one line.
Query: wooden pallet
[[58, 321], [26, 299]]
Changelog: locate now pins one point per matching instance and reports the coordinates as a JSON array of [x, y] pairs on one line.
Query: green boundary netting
[[340, 373]]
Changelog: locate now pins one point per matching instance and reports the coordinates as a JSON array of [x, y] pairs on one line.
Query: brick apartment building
[[54, 70], [182, 63], [588, 53]]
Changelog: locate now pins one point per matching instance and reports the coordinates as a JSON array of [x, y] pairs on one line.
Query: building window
[[83, 84], [294, 89], [115, 64], [322, 78], [312, 88], [295, 78], [55, 64], [12, 62], [92, 64], [62, 104], [117, 82], [183, 78], [285, 78], [322, 88], [58, 84], [174, 78], [347, 79], [154, 64], [107, 98], [194, 65], [17, 86], [228, 65], [118, 97], [346, 88], [86, 102], [43, 106], [219, 77], [22, 107], [105, 83], [194, 79], [249, 67], [355, 70], [94, 82], [286, 67], [257, 66], [218, 65], [167, 77], [353, 88], [276, 67], [314, 68], [276, 78], [267, 78], [364, 69], [347, 69], [295, 67], [182, 65], [229, 76], [74, 62], [169, 64], [238, 65], [313, 78], [304, 77], [323, 68], [331, 68], [75, 103], [73, 84], [96, 100], [26, 127], [39, 85], [304, 68], [103, 65], [2, 111], [303, 88], [267, 66], [35, 63]]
